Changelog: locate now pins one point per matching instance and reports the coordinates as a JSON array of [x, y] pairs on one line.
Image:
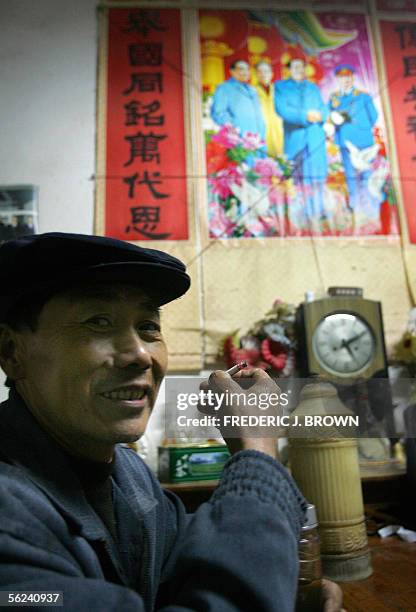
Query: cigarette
[[238, 366]]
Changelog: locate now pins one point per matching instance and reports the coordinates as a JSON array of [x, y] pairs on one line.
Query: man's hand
[[256, 383], [331, 596], [314, 116]]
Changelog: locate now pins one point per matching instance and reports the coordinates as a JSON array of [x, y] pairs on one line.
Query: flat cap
[[344, 69], [55, 260]]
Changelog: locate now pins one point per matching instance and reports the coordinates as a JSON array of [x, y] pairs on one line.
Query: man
[[236, 102], [274, 124], [354, 115], [299, 103], [82, 347]]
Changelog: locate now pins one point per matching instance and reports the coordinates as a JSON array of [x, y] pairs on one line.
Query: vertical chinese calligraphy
[[399, 46], [145, 195]]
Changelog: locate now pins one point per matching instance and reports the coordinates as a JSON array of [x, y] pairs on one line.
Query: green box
[[191, 463]]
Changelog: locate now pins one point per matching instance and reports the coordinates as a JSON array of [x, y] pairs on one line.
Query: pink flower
[[228, 136], [223, 180], [252, 141], [268, 170], [220, 226], [277, 195]]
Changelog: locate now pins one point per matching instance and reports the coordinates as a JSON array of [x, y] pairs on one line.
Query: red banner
[[400, 62], [396, 5], [145, 143]]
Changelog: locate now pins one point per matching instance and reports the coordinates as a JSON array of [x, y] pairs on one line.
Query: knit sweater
[[237, 552]]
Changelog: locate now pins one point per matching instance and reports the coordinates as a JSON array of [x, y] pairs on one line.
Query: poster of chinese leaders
[[294, 131]]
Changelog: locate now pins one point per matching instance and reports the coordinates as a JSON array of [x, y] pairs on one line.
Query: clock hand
[[354, 338], [345, 344]]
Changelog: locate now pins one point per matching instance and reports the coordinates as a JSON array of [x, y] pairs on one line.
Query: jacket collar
[[25, 444], [244, 87]]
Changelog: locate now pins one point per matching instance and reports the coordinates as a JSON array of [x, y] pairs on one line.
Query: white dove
[[361, 159], [253, 201], [377, 180]]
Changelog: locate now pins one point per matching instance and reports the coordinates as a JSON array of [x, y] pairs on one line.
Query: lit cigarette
[[239, 366]]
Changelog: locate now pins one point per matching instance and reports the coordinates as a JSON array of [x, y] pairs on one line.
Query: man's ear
[[10, 359]]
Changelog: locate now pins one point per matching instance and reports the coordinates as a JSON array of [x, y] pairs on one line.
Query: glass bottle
[[310, 571]]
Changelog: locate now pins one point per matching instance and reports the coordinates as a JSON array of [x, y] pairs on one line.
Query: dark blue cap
[[344, 68], [54, 261]]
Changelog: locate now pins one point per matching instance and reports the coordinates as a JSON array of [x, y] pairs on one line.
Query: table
[[392, 587], [393, 583], [381, 490]]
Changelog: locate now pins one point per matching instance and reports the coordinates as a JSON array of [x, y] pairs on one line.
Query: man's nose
[[132, 350]]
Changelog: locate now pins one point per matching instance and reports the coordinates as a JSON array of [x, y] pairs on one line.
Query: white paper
[[405, 534]]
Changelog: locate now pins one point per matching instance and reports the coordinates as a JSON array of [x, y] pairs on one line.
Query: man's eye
[[149, 326], [102, 322]]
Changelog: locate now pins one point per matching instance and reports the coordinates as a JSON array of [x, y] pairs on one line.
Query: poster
[[293, 125], [400, 65], [18, 211], [145, 166]]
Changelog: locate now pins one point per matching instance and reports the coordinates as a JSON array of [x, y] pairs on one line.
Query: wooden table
[[376, 490], [392, 587], [393, 583]]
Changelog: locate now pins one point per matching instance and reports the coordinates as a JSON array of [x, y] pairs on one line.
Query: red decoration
[[233, 354], [399, 60], [217, 158], [270, 344], [145, 166], [274, 354]]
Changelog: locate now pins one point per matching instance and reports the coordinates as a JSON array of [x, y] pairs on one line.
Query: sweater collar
[[26, 445]]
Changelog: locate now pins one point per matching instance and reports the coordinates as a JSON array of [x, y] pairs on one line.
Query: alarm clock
[[341, 337]]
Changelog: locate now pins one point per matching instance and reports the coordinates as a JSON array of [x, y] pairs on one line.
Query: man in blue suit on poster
[[353, 114], [236, 102], [299, 103]]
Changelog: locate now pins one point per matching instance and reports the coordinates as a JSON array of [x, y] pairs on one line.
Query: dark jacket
[[237, 552]]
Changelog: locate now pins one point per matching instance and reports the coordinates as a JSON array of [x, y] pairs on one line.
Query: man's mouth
[[125, 394]]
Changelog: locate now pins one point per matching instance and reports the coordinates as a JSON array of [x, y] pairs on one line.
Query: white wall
[[48, 51], [47, 106]]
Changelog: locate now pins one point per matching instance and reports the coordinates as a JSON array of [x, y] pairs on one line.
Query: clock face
[[343, 344]]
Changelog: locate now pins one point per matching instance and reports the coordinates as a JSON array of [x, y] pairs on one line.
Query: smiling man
[[85, 358], [235, 102], [82, 347]]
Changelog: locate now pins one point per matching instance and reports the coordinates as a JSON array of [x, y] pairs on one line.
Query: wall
[[47, 107], [47, 112], [48, 53]]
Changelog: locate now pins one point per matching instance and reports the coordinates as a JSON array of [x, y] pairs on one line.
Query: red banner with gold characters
[[399, 50], [396, 5], [145, 166]]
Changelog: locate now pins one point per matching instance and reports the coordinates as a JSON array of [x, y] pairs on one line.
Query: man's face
[[241, 72], [264, 74], [345, 81], [94, 365], [297, 69]]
